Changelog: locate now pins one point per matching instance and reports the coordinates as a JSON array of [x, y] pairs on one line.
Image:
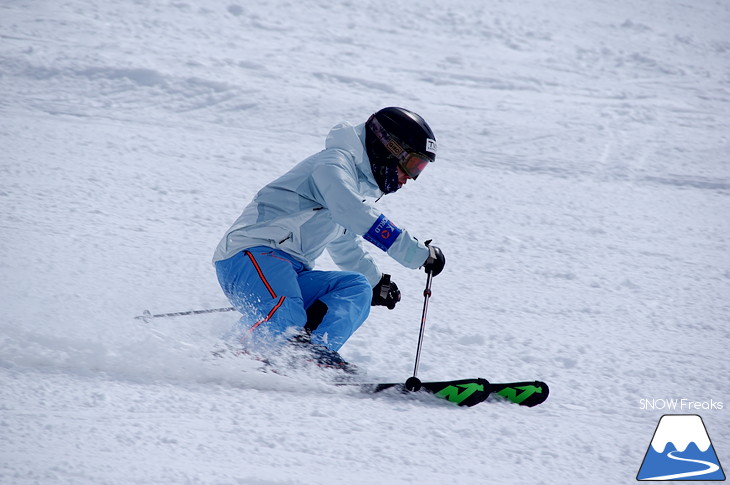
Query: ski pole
[[147, 315], [414, 383]]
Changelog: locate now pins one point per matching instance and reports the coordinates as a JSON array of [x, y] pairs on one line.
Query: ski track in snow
[[580, 196]]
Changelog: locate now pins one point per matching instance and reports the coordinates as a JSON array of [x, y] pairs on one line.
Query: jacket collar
[[345, 136]]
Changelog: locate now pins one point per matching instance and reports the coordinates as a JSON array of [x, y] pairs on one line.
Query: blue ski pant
[[274, 291]]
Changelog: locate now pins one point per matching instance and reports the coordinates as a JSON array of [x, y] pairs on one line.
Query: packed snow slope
[[581, 196]]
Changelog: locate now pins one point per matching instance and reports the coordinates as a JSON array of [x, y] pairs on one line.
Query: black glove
[[435, 262], [386, 293]]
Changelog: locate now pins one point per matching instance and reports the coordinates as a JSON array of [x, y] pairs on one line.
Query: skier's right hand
[[386, 293], [435, 261]]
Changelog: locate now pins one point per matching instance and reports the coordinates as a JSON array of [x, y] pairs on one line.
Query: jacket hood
[[351, 139]]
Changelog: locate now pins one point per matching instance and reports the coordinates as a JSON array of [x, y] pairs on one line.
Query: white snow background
[[581, 196]]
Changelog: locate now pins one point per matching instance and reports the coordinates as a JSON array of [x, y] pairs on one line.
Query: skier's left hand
[[435, 262], [386, 293]]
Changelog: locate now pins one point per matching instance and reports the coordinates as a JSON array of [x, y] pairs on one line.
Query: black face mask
[[386, 175], [382, 163]]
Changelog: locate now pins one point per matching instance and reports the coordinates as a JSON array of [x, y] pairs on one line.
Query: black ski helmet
[[397, 136]]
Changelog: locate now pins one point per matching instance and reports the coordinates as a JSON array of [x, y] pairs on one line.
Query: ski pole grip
[[385, 286]]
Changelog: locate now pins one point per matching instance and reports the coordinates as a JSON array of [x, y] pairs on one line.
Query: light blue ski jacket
[[320, 204]]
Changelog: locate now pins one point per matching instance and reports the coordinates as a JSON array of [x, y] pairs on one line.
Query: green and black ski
[[469, 392]]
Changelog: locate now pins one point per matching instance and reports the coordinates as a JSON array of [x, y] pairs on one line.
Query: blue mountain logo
[[681, 450]]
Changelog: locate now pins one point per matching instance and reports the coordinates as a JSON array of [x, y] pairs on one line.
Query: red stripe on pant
[[261, 274], [268, 317], [268, 287]]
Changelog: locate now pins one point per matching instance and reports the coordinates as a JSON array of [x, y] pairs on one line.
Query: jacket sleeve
[[335, 186], [347, 252]]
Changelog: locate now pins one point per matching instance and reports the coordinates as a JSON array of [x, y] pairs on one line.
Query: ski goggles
[[411, 162]]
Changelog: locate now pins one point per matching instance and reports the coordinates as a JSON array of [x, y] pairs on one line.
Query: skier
[[265, 261]]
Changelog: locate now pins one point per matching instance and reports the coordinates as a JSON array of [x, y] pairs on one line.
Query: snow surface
[[581, 197]]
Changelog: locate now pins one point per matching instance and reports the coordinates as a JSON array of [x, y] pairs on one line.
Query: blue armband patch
[[383, 233]]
